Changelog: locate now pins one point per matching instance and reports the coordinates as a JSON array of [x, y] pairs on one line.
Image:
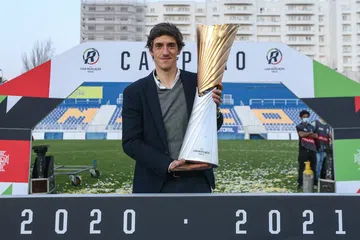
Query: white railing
[[78, 128], [81, 101], [227, 99], [275, 102], [118, 127], [119, 100]]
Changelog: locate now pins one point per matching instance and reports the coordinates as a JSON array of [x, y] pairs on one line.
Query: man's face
[[305, 118], [164, 51]]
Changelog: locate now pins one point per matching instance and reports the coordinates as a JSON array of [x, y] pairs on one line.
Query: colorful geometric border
[[28, 98]]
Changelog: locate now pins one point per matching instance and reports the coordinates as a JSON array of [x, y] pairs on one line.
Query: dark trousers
[[304, 156], [186, 182]]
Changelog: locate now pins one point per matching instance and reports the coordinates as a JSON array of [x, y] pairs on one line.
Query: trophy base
[[201, 166], [201, 162]]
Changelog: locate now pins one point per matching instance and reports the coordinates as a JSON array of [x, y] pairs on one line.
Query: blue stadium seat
[[280, 117], [115, 122], [69, 117]]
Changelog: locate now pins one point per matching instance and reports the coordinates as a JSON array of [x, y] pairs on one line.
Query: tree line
[[41, 52]]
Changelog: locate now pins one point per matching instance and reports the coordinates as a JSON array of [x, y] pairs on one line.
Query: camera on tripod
[[43, 177]]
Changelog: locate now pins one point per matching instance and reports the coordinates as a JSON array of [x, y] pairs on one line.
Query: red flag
[[33, 83], [358, 191], [14, 161]]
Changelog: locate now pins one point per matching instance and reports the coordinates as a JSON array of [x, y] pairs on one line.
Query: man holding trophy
[[171, 117]]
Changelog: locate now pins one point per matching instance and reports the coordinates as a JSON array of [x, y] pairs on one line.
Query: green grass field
[[245, 166]]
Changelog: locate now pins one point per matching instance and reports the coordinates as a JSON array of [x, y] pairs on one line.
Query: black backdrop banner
[[209, 216], [340, 113]]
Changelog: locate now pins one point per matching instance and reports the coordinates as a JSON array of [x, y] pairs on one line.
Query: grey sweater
[[175, 116]]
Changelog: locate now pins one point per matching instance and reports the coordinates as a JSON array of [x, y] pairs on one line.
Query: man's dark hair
[[167, 29], [303, 112]]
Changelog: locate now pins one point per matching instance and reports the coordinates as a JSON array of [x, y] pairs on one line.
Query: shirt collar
[[161, 86]]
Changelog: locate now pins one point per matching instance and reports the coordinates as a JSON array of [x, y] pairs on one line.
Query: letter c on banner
[[123, 67]]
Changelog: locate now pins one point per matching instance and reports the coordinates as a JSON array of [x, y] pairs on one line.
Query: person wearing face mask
[[307, 146], [323, 141]]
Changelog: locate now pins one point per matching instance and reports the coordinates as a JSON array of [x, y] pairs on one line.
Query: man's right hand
[[182, 165]]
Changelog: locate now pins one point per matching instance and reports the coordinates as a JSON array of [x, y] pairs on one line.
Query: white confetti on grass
[[230, 179], [102, 187], [255, 181], [244, 168]]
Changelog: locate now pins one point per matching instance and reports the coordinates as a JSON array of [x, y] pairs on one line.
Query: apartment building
[[181, 13], [347, 28], [302, 24], [112, 20], [326, 30]]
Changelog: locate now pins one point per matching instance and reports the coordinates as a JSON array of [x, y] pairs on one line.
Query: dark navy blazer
[[144, 137]]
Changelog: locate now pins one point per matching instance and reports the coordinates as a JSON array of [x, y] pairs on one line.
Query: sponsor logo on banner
[[274, 57], [4, 159], [88, 92], [16, 170], [357, 158], [228, 130], [91, 57]]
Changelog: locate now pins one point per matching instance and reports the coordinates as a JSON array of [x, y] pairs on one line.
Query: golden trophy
[[200, 144]]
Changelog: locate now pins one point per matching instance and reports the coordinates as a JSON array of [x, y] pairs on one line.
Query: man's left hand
[[182, 165], [217, 92]]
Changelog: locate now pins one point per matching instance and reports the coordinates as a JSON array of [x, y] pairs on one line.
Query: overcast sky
[[22, 22]]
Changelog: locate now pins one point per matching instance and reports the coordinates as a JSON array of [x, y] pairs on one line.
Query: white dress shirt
[[162, 86]]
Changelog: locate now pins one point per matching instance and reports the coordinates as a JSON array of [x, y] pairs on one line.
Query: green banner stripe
[[2, 98], [329, 83], [8, 191], [347, 160]]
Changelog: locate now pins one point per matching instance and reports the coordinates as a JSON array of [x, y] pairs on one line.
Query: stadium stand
[[273, 108], [50, 121], [115, 122], [274, 119], [231, 119], [69, 117], [293, 114], [281, 117]]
